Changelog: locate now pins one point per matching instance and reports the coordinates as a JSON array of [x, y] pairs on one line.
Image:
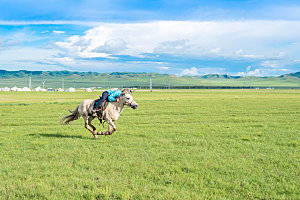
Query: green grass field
[[185, 144]]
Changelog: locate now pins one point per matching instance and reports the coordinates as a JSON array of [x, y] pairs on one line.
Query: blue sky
[[236, 37]]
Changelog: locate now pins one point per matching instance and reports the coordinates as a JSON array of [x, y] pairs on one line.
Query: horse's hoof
[[100, 133], [95, 136]]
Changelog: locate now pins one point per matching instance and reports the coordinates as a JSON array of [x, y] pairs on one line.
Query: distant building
[[14, 89], [71, 89], [88, 90], [37, 89], [26, 89], [60, 90], [6, 89], [50, 90]]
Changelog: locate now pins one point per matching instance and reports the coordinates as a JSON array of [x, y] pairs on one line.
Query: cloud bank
[[238, 39], [270, 47], [264, 44]]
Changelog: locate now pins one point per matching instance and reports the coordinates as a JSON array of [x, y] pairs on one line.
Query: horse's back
[[85, 107]]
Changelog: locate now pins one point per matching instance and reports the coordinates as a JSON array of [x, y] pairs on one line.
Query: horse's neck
[[118, 106]]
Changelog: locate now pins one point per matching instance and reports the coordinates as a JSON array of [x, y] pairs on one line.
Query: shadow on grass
[[57, 135]]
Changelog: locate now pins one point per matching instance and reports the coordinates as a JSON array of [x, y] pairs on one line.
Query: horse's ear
[[127, 90]]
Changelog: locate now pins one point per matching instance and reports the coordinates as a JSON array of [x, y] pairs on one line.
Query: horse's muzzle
[[134, 106]]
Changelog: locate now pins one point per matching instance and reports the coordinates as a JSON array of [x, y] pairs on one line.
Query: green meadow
[[179, 144]]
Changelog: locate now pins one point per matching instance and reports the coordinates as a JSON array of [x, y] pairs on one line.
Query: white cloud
[[252, 56], [59, 32], [256, 72], [240, 74], [265, 70], [229, 39], [163, 68], [29, 58], [6, 44], [172, 47], [271, 64], [248, 68], [239, 52], [215, 50], [193, 71], [112, 46], [65, 60]]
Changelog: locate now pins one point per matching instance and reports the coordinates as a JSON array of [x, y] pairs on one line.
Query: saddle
[[100, 110]]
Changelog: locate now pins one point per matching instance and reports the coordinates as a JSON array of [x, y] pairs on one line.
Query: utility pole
[[150, 84], [43, 84], [62, 84], [29, 82], [169, 85]]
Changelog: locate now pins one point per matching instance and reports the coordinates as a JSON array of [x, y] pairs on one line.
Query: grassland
[[185, 144]]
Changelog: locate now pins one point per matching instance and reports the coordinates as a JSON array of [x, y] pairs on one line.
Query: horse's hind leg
[[91, 125], [87, 123]]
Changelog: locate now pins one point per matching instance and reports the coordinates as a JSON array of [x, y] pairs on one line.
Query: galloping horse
[[110, 115]]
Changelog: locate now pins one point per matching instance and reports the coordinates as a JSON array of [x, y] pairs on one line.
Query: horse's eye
[[128, 98]]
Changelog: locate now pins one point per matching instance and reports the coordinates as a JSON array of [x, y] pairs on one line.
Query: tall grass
[[184, 144]]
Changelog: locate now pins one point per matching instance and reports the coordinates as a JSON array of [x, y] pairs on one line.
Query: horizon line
[[142, 73]]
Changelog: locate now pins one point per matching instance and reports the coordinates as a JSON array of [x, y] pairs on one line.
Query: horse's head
[[127, 99]]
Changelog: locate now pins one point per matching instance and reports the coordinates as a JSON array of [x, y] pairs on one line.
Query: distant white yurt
[[71, 89], [19, 89], [26, 89], [50, 90], [60, 90], [6, 89], [43, 90], [37, 89], [14, 88], [88, 90]]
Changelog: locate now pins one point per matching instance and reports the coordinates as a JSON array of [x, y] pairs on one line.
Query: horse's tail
[[74, 115]]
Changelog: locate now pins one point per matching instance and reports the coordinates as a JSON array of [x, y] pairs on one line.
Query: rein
[[121, 110], [105, 106]]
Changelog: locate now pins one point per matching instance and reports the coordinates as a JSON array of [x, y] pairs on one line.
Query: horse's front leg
[[111, 128], [108, 132]]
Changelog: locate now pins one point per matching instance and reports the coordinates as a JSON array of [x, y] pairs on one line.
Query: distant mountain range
[[295, 74], [58, 79]]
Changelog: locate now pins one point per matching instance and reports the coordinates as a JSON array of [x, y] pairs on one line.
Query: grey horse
[[110, 115]]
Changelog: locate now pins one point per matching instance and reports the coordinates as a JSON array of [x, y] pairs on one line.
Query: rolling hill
[[55, 79]]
